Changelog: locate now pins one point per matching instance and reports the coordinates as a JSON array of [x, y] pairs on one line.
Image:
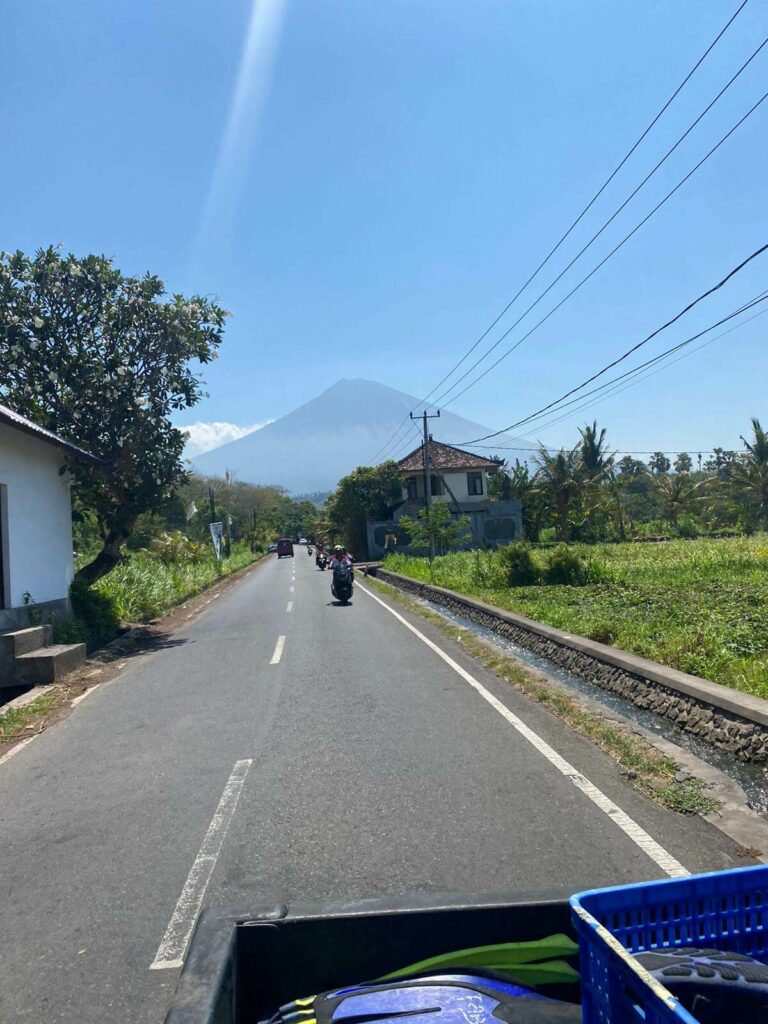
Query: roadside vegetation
[[587, 494], [699, 606], [648, 769]]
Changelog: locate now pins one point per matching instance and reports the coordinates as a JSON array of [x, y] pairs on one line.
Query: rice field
[[700, 606]]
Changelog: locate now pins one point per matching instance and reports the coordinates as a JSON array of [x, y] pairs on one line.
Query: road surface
[[284, 747]]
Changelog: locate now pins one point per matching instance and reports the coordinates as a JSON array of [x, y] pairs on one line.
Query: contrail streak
[[251, 92]]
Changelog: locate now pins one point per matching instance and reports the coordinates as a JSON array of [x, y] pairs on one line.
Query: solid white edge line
[[669, 864], [86, 693], [289, 607], [19, 747], [278, 652], [170, 952]]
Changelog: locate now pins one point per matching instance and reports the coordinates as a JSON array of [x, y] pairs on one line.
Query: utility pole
[[427, 476], [212, 499]]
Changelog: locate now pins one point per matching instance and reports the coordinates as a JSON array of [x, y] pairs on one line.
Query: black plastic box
[[243, 964]]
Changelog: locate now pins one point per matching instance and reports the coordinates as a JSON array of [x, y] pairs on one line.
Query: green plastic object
[[527, 963]]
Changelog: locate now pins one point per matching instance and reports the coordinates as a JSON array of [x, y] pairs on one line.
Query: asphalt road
[[359, 763]]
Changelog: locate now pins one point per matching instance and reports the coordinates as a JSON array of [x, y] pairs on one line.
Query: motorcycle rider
[[340, 556]]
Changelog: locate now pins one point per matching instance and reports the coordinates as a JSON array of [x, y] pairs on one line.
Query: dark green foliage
[[521, 568], [564, 566], [95, 611], [106, 361], [687, 529], [440, 528], [369, 492]]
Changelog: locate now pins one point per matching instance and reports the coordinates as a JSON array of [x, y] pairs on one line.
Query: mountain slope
[[310, 448]]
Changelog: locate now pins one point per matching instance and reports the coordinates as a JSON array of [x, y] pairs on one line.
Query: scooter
[[342, 586], [309, 550], [321, 561]]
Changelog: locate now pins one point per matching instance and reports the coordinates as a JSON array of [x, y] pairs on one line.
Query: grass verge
[[650, 771], [16, 721], [144, 587]]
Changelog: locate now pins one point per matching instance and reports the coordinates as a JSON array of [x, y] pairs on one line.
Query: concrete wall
[[37, 521], [491, 524]]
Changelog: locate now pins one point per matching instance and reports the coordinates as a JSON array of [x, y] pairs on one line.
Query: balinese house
[[459, 479]]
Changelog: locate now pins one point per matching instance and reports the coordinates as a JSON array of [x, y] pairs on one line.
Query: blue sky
[[367, 190]]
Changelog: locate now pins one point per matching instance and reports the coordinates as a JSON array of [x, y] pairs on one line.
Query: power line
[[599, 232], [597, 194], [389, 444], [619, 384], [605, 259], [737, 269], [635, 371]]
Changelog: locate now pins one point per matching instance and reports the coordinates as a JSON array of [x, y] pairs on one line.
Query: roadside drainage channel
[[750, 776]]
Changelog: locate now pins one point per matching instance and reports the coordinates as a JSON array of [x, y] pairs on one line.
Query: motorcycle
[[309, 550], [341, 587], [321, 561]]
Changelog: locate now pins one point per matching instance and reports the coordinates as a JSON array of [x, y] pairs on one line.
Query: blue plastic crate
[[724, 909]]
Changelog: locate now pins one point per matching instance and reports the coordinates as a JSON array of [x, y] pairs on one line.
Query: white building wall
[[37, 546], [457, 483]]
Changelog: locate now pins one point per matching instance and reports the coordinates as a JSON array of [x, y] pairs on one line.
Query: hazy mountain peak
[[345, 426]]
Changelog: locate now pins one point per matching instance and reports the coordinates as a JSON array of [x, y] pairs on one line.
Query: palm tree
[[598, 467], [749, 474], [559, 479], [677, 493], [596, 461]]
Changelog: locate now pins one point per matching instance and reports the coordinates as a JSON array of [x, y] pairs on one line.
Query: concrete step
[[21, 641], [47, 664]]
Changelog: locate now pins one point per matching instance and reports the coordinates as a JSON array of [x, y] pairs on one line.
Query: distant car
[[272, 548], [302, 540], [284, 547]]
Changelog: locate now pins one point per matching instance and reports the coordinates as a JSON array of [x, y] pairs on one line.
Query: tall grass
[[697, 605], [144, 586]]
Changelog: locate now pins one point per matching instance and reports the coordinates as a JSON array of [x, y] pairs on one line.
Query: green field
[[698, 605]]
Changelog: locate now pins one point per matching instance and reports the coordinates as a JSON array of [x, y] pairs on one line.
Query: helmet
[[338, 548]]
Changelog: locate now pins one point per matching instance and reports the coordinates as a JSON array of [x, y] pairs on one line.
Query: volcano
[[346, 426]]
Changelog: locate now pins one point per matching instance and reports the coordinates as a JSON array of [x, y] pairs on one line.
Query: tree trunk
[[108, 557], [563, 522]]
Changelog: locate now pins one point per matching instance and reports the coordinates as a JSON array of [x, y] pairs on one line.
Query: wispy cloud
[[254, 79], [203, 437]]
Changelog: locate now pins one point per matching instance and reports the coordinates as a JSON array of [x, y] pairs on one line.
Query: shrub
[[96, 611], [485, 571], [175, 547], [519, 565], [565, 566], [687, 529]]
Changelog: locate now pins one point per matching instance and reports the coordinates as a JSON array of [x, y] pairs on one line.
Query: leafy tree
[[630, 467], [440, 527], [659, 463], [516, 483], [678, 494], [559, 480], [749, 475], [369, 492], [105, 360], [683, 463]]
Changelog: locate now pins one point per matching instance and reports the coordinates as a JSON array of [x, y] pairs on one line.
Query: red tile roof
[[445, 457]]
